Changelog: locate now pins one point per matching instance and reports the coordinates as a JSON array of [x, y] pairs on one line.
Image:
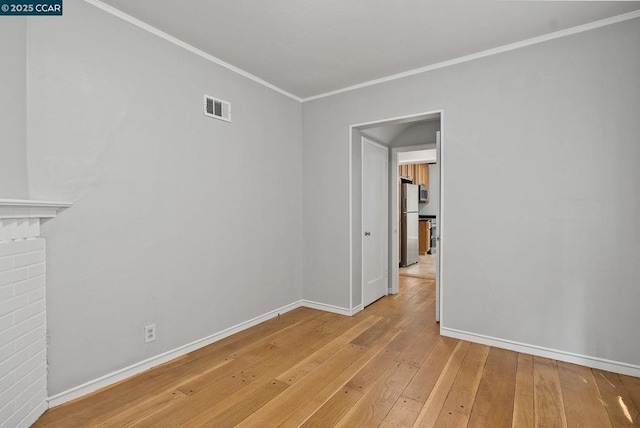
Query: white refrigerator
[[409, 225]]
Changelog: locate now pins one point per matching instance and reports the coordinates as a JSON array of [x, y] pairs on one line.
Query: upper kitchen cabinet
[[417, 173], [421, 174], [406, 171]]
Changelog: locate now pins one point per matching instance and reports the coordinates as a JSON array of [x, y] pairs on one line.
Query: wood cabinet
[[422, 174], [417, 173], [424, 237], [407, 171]]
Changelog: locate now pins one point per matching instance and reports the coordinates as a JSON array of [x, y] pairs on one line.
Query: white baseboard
[[569, 357], [356, 309], [134, 369], [325, 307], [117, 376], [33, 416]]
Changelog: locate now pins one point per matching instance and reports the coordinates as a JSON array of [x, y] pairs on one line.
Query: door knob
[[367, 234]]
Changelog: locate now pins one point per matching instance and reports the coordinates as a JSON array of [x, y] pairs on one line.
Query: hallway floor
[[425, 268]]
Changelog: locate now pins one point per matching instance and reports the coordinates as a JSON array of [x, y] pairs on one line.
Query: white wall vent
[[219, 109]]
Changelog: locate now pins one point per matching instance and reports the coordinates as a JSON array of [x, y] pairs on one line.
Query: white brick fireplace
[[23, 343]]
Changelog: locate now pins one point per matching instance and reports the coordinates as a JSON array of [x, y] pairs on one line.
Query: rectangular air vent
[[219, 109]]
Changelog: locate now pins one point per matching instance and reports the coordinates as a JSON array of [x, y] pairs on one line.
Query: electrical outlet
[[150, 333]]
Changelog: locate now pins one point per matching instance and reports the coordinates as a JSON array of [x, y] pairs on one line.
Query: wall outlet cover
[[150, 333]]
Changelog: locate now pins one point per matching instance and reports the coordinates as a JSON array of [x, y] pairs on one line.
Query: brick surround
[[23, 344]]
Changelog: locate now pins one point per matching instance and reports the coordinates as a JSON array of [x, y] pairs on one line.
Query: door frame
[[386, 229], [393, 273]]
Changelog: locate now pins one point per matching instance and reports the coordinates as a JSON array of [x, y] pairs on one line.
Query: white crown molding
[[494, 51], [486, 53], [153, 30], [24, 208]]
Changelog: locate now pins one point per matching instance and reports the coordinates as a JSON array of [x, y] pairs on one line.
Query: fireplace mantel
[[25, 208], [23, 308]]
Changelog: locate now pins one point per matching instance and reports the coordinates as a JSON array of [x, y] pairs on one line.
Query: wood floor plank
[[338, 404], [279, 409], [228, 388], [404, 413], [621, 409], [425, 379], [231, 416], [167, 417], [314, 360], [523, 400], [433, 405], [452, 419], [216, 400], [336, 388], [372, 408], [632, 384], [385, 366], [494, 402], [243, 409], [370, 335], [237, 386], [582, 401], [138, 412], [314, 390], [334, 409], [167, 375], [245, 341], [463, 391], [549, 407], [420, 350]]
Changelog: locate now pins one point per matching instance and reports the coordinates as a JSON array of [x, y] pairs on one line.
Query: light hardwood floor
[[425, 268], [386, 366]]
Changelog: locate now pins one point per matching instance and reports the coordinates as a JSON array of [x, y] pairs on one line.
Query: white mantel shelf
[[21, 218], [25, 208]]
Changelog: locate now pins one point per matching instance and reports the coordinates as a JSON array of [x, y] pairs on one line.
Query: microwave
[[423, 194]]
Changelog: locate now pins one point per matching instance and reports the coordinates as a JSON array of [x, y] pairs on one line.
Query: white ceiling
[[310, 47], [387, 132]]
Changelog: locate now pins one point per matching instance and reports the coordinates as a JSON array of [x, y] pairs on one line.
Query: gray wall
[[420, 133], [13, 154], [431, 207], [180, 220], [543, 142]]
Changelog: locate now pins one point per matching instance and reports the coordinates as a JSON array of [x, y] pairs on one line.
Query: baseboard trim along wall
[[540, 351], [356, 309], [34, 415], [327, 308], [134, 369]]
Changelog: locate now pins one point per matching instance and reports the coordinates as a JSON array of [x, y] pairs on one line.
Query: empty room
[[319, 213]]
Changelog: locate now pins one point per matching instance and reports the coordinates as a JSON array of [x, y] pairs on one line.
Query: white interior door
[[375, 211], [438, 228]]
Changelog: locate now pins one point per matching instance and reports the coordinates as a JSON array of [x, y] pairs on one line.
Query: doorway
[[422, 168], [398, 135]]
